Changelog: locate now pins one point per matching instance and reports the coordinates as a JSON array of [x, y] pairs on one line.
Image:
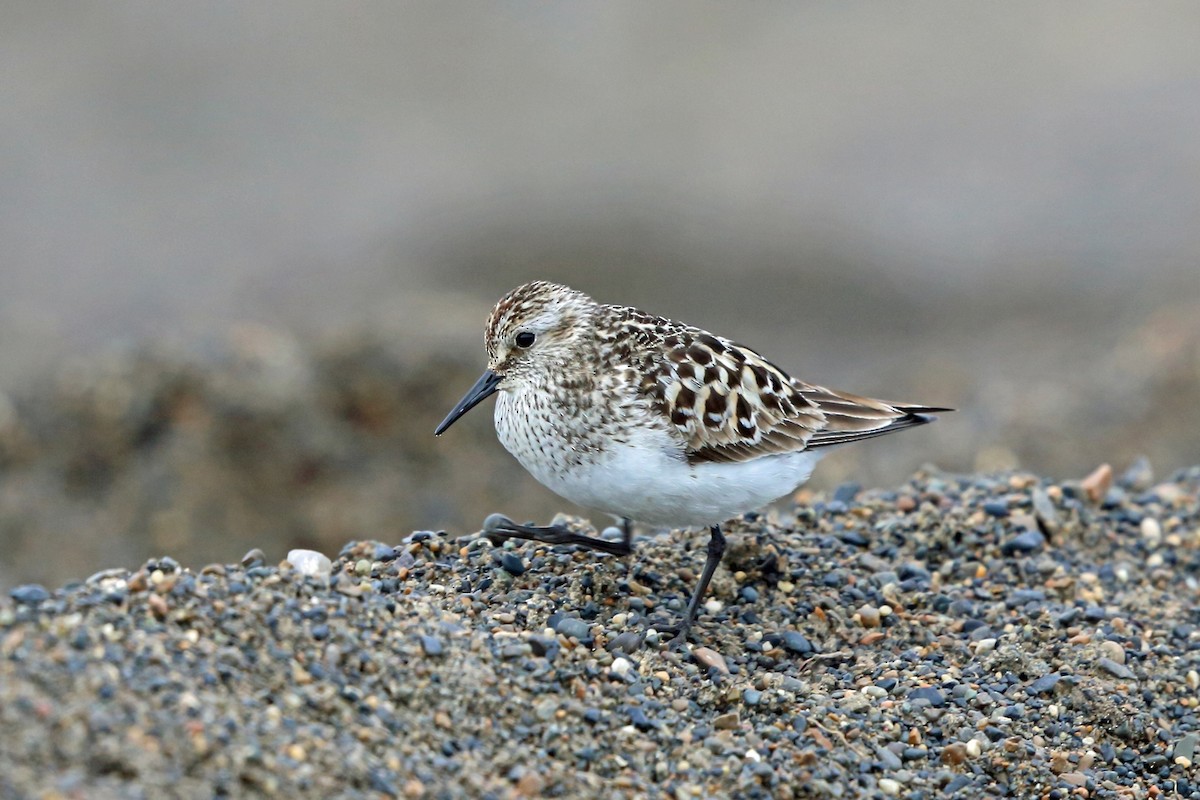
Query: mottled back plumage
[[725, 402]]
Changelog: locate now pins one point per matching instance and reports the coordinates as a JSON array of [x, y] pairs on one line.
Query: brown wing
[[730, 404]]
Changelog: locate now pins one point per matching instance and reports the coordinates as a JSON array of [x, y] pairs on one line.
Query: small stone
[[1026, 542], [955, 753], [637, 716], [310, 563], [869, 616], [1113, 650], [1186, 746], [432, 645], [30, 594], [1045, 684], [620, 666], [929, 693], [1151, 531], [996, 508], [530, 784], [1096, 485], [1115, 669], [796, 642], [254, 558], [1046, 513], [1193, 679], [889, 786], [709, 658], [727, 722], [974, 748], [751, 697], [1140, 475], [512, 563], [713, 606], [573, 627]]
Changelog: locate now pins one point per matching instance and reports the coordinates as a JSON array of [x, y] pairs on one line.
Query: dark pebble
[[639, 719], [1115, 669], [432, 645], [929, 693], [512, 564], [544, 646], [855, 538], [749, 594], [888, 760], [997, 508], [956, 783], [1026, 542], [573, 626], [796, 642], [751, 697], [1045, 684], [30, 594]]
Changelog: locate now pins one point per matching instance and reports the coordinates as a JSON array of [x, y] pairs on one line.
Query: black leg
[[716, 549], [498, 528]]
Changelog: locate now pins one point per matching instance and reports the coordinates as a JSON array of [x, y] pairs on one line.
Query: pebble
[[708, 658], [620, 666], [512, 563], [889, 786], [1026, 542], [1113, 651], [1045, 511], [573, 627], [1045, 684], [29, 594], [932, 666], [727, 722], [1115, 669], [1186, 746], [796, 642], [1095, 486], [310, 563], [869, 616]]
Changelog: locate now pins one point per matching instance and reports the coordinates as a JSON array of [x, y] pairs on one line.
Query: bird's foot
[[498, 527], [677, 631]]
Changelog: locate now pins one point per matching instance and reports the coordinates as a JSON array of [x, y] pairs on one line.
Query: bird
[[654, 421]]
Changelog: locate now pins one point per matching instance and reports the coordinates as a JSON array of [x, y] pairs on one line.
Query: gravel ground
[[960, 636]]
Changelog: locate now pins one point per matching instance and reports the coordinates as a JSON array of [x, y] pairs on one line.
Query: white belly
[[643, 480]]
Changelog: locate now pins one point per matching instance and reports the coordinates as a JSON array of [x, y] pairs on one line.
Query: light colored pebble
[[310, 563]]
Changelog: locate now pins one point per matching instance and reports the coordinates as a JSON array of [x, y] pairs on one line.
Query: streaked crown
[[535, 324]]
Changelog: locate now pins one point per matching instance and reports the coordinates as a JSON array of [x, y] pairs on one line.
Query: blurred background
[[248, 249]]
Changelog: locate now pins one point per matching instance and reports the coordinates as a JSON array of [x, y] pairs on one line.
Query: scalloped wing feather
[[729, 404]]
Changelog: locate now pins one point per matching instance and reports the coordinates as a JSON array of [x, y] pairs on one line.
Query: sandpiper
[[653, 420]]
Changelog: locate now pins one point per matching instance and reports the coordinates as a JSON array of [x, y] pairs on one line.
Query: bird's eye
[[524, 339]]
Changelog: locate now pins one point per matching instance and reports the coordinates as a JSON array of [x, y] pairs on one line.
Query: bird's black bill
[[483, 388]]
